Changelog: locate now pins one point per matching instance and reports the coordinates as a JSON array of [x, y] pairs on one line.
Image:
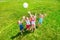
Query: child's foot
[[32, 31], [21, 33]]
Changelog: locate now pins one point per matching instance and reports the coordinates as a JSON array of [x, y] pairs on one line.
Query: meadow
[[12, 10]]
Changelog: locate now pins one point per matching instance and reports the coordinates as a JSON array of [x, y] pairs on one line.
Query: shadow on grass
[[19, 34]]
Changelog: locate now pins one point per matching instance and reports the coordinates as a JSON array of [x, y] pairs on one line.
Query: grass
[[12, 10]]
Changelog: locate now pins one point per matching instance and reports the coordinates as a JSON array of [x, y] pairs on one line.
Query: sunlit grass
[[12, 11]]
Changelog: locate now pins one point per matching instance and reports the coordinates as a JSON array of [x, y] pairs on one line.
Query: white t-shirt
[[28, 22]]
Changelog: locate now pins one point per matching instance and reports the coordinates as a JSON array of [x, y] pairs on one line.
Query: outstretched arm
[[22, 21], [29, 13], [23, 18], [35, 14]]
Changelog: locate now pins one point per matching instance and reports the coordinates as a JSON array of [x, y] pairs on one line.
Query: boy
[[21, 26]]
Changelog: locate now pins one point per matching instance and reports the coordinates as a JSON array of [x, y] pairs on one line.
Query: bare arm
[[29, 13], [35, 14]]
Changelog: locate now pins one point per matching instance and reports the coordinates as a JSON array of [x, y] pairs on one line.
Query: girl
[[27, 23], [33, 20], [41, 16]]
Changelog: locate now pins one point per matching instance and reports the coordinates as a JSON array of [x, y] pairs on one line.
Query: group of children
[[30, 22]]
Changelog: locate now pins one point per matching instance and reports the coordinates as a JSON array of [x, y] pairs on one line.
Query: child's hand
[[45, 14], [23, 17], [29, 12], [40, 14]]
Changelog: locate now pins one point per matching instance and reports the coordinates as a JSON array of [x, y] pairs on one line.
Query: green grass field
[[12, 10]]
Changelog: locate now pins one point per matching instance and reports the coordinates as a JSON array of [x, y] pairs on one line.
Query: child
[[21, 26], [41, 16], [27, 23], [33, 20]]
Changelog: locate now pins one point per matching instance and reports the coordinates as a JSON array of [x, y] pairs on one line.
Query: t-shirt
[[28, 22]]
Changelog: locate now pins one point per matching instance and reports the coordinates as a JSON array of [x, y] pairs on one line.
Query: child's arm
[[45, 14], [29, 13], [35, 16], [22, 21], [23, 18]]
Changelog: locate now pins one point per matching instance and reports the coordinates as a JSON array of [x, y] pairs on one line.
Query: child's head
[[33, 16], [41, 15], [19, 21], [27, 18]]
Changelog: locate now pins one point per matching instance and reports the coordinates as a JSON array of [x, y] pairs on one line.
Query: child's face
[[42, 15], [19, 21], [27, 18]]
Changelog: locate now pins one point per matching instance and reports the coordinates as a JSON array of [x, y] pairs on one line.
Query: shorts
[[28, 27], [21, 27]]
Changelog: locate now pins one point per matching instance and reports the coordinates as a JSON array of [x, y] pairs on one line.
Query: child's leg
[[21, 32], [38, 24], [26, 27], [21, 28], [32, 27]]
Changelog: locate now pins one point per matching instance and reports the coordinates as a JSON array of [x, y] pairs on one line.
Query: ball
[[25, 5]]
